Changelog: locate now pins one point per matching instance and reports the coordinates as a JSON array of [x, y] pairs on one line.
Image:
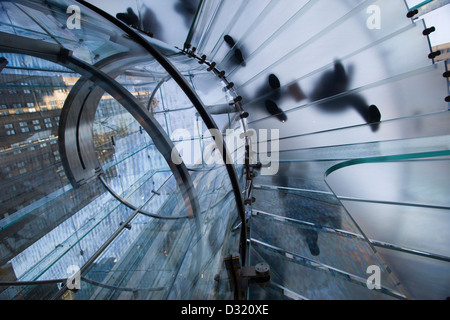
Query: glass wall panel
[[95, 113], [136, 216], [402, 207]]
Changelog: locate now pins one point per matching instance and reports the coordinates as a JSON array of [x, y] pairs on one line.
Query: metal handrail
[[132, 207]]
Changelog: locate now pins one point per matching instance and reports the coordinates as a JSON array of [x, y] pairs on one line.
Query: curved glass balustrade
[[145, 144], [138, 223]]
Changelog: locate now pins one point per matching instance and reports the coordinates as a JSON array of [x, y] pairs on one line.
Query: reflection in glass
[[363, 127]]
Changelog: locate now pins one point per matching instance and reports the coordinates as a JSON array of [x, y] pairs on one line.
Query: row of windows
[[7, 170], [29, 110], [26, 129], [45, 156], [17, 105], [35, 121], [17, 150], [39, 91], [36, 125], [52, 103]]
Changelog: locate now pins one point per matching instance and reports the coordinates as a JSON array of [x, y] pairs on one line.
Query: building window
[[48, 125], [36, 121], [9, 126], [37, 128], [47, 120], [26, 91], [30, 104], [25, 130], [23, 124], [17, 105], [3, 106], [10, 132], [32, 110]]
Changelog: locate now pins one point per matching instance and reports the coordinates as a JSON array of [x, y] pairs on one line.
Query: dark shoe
[[311, 240], [373, 114], [274, 83], [274, 110], [229, 40], [238, 56]]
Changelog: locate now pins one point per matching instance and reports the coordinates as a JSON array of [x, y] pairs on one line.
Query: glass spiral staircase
[[181, 150]]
